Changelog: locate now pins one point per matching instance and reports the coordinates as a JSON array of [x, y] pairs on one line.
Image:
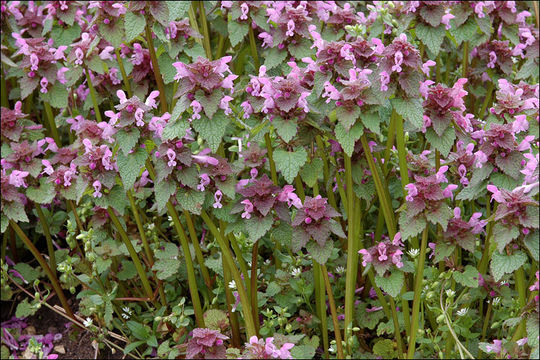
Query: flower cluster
[[206, 344], [266, 349], [383, 255]]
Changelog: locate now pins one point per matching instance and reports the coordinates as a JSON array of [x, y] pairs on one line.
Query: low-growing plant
[[272, 179]]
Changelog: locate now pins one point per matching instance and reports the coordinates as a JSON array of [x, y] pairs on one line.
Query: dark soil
[[77, 343]]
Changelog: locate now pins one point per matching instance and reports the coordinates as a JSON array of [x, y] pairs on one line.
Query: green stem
[[3, 90], [487, 100], [320, 303], [155, 67], [136, 261], [326, 171], [270, 152], [417, 292], [93, 95], [352, 252], [486, 322], [300, 187], [253, 46], [146, 245], [206, 34], [241, 261], [227, 256], [465, 59], [193, 22], [52, 124], [253, 280], [383, 200], [47, 232], [333, 312], [198, 252], [233, 316], [43, 263], [123, 72], [396, 327], [521, 288]]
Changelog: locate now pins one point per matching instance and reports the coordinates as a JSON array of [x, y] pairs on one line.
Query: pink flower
[[492, 59], [171, 155], [427, 65], [520, 124], [245, 10], [16, 178], [151, 99], [139, 115], [290, 197], [248, 209], [412, 191], [218, 195], [495, 348], [97, 187], [48, 167], [448, 191], [497, 196], [196, 106], [44, 82], [290, 28], [446, 19], [224, 104], [205, 180], [385, 80]]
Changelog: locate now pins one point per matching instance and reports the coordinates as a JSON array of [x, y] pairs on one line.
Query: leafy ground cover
[[270, 179]]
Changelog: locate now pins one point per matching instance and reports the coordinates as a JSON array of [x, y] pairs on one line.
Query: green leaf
[[440, 216], [168, 71], [113, 32], [385, 349], [372, 121], [138, 330], [274, 57], [443, 143], [237, 32], [531, 243], [28, 273], [190, 200], [469, 277], [464, 32], [347, 118], [320, 253], [176, 129], [130, 166], [289, 163], [163, 191], [391, 284], [167, 263], [347, 138], [210, 102], [505, 264], [532, 330], [301, 49], [126, 140], [442, 251], [212, 131], [286, 129], [134, 24], [366, 319], [303, 352], [431, 37], [311, 172], [58, 96], [15, 211], [510, 164], [65, 36], [411, 227], [257, 226], [177, 9], [529, 69], [128, 271], [103, 265], [44, 194], [132, 346], [411, 110], [25, 309], [503, 235]]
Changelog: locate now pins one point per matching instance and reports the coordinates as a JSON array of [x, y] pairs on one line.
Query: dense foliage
[[273, 179]]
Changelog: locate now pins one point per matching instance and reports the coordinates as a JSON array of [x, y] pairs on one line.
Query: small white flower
[[340, 269], [296, 272], [413, 253], [450, 293], [88, 322], [267, 262], [232, 284], [462, 312], [496, 301]]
